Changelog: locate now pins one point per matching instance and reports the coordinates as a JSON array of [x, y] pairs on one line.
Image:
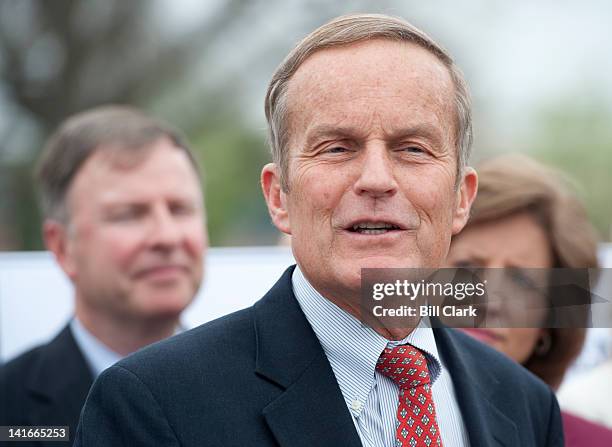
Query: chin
[[387, 262], [163, 313], [350, 274], [166, 304]]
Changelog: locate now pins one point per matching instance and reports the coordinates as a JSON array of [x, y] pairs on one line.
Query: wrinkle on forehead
[[397, 84]]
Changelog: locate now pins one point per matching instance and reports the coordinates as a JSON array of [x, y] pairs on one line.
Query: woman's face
[[517, 241]]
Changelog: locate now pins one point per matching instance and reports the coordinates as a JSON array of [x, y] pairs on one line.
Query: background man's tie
[[416, 424]]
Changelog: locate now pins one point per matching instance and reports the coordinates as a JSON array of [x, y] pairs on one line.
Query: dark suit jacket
[[259, 377], [45, 386]]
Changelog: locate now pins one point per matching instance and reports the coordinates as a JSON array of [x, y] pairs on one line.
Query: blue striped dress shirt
[[97, 355], [372, 399]]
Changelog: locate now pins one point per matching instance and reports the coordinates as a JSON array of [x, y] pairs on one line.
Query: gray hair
[[352, 29], [122, 131]]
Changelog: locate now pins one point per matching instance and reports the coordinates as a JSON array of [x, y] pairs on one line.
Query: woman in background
[[526, 216]]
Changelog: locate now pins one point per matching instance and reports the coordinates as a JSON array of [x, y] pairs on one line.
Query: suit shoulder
[[500, 365], [14, 377], [14, 369], [225, 338]]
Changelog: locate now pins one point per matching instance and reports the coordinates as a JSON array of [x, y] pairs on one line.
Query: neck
[[394, 333], [126, 335], [390, 333], [349, 301]]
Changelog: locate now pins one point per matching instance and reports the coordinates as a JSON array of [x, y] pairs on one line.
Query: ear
[[466, 193], [57, 240], [276, 198]]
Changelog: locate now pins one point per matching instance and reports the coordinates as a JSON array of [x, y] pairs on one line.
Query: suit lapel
[[60, 380], [311, 409], [476, 391]]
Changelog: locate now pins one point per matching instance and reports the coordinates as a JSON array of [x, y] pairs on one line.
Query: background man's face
[[136, 237], [372, 162]]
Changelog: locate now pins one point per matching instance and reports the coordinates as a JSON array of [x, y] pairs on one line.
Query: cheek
[[432, 192], [97, 244], [435, 209], [196, 239], [121, 246], [313, 198]]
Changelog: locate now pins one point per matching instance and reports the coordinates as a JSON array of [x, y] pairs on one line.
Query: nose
[[376, 178], [165, 232]]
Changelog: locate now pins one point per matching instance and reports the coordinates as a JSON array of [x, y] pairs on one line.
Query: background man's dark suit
[[45, 386], [259, 377]]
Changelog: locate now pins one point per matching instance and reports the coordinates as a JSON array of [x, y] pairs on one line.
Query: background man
[[124, 219], [370, 130]]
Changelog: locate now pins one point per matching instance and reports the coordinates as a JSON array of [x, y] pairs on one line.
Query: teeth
[[374, 227], [372, 231]]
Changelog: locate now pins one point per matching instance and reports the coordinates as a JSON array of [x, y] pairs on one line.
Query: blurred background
[[540, 75]]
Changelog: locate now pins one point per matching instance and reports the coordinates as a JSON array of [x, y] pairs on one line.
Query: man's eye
[[335, 150], [413, 150], [126, 215], [182, 209]]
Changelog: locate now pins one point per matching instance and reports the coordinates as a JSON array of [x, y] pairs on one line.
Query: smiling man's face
[[372, 164], [135, 242]]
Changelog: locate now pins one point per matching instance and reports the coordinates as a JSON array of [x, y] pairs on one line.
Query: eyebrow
[[324, 131], [124, 205], [130, 202]]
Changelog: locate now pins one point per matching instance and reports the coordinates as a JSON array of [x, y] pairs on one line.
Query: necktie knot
[[405, 365]]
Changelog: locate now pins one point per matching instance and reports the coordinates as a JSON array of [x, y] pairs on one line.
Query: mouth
[[161, 272], [373, 228]]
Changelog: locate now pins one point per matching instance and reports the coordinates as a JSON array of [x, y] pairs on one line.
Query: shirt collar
[[353, 348], [97, 354]]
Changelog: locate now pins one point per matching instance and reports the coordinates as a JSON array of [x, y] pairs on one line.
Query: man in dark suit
[[46, 386], [124, 218], [370, 132]]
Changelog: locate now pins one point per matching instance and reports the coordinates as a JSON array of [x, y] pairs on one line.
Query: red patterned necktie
[[416, 424]]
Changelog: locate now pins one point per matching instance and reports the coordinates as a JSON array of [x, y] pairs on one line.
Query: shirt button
[[356, 405]]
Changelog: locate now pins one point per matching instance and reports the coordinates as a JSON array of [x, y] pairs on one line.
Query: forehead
[[400, 82], [160, 170]]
